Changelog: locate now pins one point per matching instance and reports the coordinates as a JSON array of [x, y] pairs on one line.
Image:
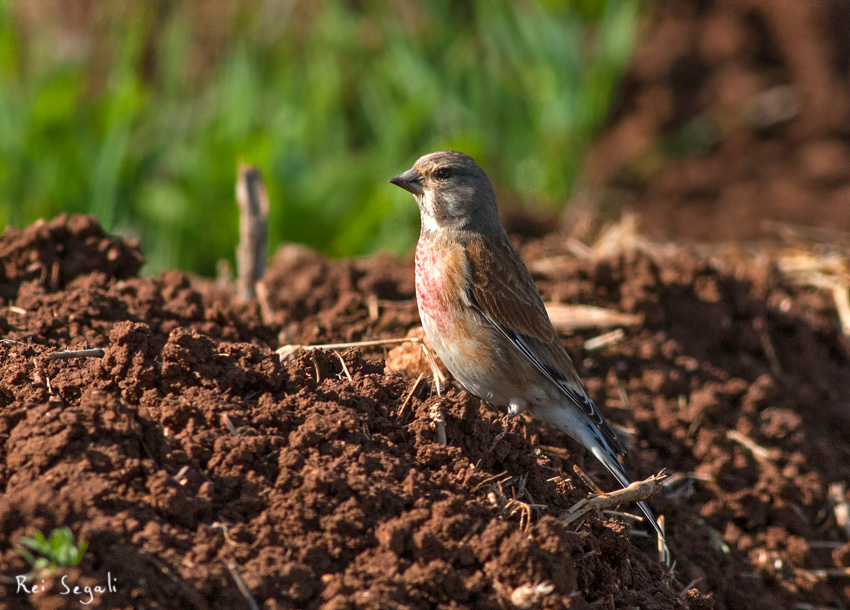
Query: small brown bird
[[483, 315]]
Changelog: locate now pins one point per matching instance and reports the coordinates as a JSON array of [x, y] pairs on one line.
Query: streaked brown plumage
[[483, 315]]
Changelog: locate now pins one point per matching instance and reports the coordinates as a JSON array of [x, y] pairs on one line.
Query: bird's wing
[[500, 287]]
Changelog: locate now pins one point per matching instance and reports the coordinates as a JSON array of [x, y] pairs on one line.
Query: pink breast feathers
[[433, 285]]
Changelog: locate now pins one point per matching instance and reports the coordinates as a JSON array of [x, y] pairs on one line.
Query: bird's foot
[[515, 408]]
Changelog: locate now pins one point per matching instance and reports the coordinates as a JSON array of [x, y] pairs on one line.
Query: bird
[[484, 317]]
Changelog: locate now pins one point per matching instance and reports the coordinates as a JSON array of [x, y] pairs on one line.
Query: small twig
[[624, 397], [636, 492], [439, 421], [623, 515], [179, 475], [266, 309], [824, 544], [241, 585], [373, 307], [838, 495], [13, 342], [556, 452], [344, 367], [193, 597], [316, 366], [409, 396], [828, 573], [681, 485], [604, 340], [253, 205], [841, 296], [489, 480], [690, 586], [757, 450], [678, 477], [39, 377], [229, 424], [508, 507], [767, 346], [225, 530], [96, 352], [593, 487]]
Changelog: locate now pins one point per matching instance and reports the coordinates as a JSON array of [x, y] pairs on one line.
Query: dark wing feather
[[501, 288]]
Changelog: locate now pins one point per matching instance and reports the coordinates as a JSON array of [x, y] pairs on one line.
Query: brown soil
[[189, 446], [733, 114]]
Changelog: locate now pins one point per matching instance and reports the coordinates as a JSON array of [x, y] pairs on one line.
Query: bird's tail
[[579, 426], [602, 451]]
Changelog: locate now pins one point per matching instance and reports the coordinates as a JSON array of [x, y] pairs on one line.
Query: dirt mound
[[189, 454], [733, 114], [55, 252]]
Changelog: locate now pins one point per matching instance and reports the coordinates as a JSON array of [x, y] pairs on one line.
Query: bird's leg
[[515, 407]]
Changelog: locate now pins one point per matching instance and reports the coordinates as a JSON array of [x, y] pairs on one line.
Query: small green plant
[[58, 549]]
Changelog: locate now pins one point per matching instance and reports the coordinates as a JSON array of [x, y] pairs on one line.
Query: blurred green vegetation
[[140, 112]]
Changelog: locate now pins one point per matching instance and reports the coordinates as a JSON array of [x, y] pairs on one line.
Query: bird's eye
[[443, 173]]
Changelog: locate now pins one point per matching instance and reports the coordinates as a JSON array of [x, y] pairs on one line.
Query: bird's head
[[452, 192]]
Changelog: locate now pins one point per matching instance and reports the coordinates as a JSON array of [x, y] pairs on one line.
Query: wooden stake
[[253, 205]]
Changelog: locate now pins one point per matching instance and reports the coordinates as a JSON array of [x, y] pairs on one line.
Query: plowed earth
[[189, 456], [733, 114]]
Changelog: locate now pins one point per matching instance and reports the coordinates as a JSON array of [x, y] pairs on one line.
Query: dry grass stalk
[[829, 271], [229, 424], [553, 451], [569, 318], [409, 396], [344, 367], [757, 450], [610, 338], [508, 506], [288, 351], [242, 585], [636, 492], [589, 483]]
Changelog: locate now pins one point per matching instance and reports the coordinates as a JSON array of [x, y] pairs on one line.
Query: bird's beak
[[410, 181]]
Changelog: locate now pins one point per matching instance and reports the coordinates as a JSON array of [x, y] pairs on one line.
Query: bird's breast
[[468, 347], [439, 285]]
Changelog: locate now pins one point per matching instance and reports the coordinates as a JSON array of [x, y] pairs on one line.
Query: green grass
[[328, 102], [58, 549]]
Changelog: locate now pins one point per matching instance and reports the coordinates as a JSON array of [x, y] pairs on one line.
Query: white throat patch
[[429, 222]]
